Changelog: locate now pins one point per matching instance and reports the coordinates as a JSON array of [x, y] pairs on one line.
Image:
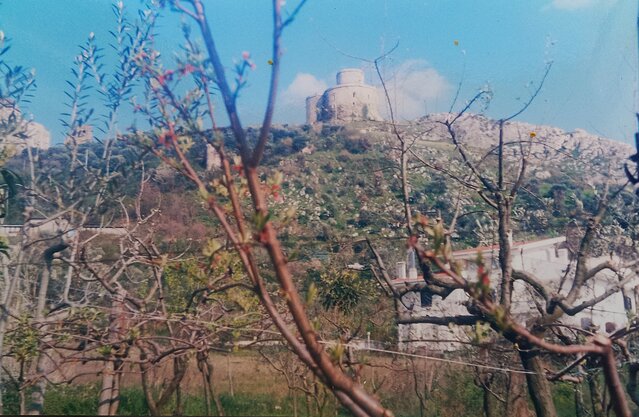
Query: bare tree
[[499, 189], [249, 231]]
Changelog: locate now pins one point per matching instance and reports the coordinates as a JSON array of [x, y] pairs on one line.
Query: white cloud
[[415, 88], [576, 4], [304, 85], [293, 99]]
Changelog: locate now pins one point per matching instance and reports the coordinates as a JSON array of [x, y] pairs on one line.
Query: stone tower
[[80, 135], [350, 100]]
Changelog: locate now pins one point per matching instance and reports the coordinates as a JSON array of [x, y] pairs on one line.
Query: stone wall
[[349, 101]]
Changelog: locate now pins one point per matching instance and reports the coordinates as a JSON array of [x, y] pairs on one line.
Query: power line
[[433, 358]]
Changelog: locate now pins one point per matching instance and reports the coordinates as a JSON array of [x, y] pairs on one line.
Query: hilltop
[[475, 131], [341, 183], [344, 182]]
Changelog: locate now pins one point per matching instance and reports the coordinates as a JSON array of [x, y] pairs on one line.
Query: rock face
[[546, 146], [478, 131], [349, 101]]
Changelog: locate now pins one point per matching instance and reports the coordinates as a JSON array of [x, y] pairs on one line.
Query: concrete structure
[[350, 100], [19, 133], [37, 136], [82, 134], [546, 259], [57, 227]]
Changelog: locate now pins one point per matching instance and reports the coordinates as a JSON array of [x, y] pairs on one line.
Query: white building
[[350, 100], [19, 133], [547, 259], [80, 135]]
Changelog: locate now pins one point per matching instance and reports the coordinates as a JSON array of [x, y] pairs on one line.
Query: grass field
[[248, 385]]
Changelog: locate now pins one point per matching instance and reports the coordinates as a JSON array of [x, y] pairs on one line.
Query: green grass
[[454, 395], [83, 400]]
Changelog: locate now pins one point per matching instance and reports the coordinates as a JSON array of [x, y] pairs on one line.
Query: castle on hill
[[349, 101]]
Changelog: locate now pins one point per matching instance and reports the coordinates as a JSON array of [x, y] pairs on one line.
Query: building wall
[[81, 134], [350, 100], [548, 260], [413, 337], [23, 133], [312, 109], [350, 76], [349, 103], [37, 136]]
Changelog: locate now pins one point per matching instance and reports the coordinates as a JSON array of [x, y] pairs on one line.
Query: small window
[[610, 327], [426, 298], [627, 303], [586, 323]]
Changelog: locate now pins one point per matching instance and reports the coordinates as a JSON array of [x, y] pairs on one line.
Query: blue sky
[[501, 43]]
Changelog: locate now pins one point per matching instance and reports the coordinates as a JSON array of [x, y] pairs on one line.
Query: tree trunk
[[505, 256], [7, 298], [36, 407], [488, 400], [106, 393], [110, 392], [179, 404], [595, 396], [3, 327], [405, 188], [230, 375], [21, 390], [10, 284], [216, 398], [538, 386], [37, 396], [309, 406], [206, 369], [294, 394], [516, 404], [207, 396], [579, 402], [147, 387], [180, 365], [115, 393], [23, 402], [109, 400], [631, 387]]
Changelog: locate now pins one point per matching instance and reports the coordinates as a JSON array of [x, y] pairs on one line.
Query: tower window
[[627, 303], [426, 298]]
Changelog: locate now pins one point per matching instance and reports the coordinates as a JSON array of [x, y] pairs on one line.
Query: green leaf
[[211, 247], [311, 294], [12, 180], [4, 246], [260, 220]]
